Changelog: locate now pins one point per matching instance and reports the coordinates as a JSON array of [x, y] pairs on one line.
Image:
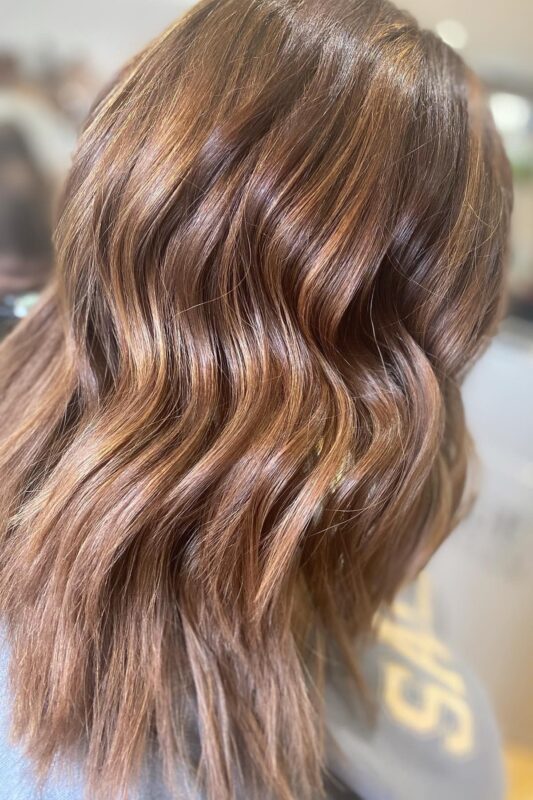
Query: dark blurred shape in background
[[25, 227], [41, 109]]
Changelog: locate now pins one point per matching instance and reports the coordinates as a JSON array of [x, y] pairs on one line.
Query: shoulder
[[433, 735], [65, 782], [17, 780]]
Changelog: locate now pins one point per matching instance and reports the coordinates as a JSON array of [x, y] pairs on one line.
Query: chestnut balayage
[[233, 425]]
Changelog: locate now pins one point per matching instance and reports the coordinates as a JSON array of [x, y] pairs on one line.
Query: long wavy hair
[[233, 426]]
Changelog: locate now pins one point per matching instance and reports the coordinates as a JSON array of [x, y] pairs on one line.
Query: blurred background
[[54, 57]]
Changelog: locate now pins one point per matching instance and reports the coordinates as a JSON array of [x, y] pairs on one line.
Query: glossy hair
[[233, 426]]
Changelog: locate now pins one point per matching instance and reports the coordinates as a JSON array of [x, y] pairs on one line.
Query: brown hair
[[233, 426]]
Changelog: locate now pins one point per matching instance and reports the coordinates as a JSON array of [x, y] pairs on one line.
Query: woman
[[233, 427]]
